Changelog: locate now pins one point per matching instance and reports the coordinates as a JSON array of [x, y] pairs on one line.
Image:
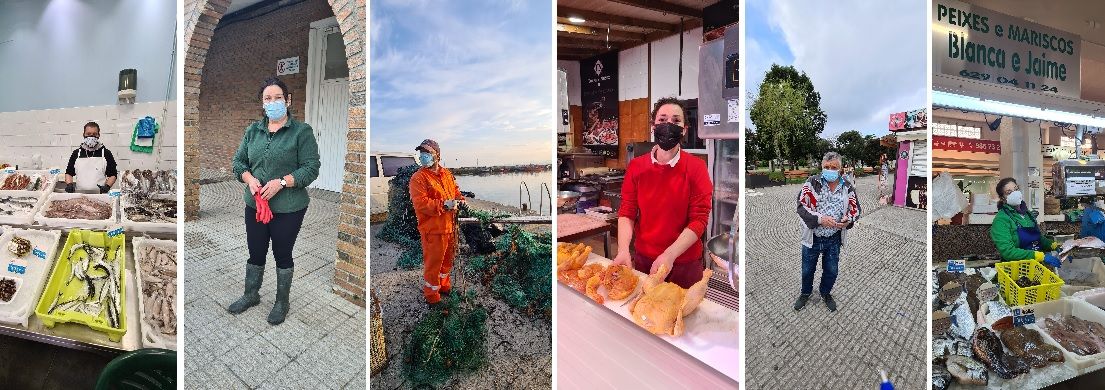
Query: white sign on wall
[[1059, 152], [287, 66]]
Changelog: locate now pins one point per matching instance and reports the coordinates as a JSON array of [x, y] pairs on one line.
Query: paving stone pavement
[[321, 345], [881, 322]]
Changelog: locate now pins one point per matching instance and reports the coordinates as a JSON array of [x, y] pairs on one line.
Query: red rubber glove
[[268, 213], [264, 214]]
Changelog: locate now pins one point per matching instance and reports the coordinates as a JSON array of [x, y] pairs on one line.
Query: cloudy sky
[[866, 58], [475, 76]]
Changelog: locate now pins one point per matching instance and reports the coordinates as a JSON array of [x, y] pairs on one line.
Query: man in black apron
[[91, 167]]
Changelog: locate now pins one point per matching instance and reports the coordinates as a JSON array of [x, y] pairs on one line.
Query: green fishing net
[[401, 226], [520, 271], [446, 342]]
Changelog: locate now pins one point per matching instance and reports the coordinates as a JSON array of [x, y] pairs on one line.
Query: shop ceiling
[[620, 24], [1086, 18]]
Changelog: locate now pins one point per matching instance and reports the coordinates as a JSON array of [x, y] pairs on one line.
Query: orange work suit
[[429, 191]]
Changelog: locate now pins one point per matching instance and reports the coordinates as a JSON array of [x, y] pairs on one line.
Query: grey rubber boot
[[254, 275], [283, 287]]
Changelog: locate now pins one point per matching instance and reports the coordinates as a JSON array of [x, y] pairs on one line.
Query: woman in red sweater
[[666, 201]]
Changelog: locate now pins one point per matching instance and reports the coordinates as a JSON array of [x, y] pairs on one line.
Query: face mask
[[276, 110], [830, 174], [1015, 198], [91, 142], [426, 159], [667, 135]]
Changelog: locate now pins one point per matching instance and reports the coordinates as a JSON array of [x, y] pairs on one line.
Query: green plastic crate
[[60, 275]]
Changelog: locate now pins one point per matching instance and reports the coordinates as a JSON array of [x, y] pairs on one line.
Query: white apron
[[91, 173]]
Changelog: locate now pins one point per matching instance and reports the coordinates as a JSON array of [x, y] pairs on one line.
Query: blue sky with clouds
[[866, 58], [477, 76]]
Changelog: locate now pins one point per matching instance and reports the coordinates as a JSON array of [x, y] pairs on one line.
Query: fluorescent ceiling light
[[945, 99], [576, 20]]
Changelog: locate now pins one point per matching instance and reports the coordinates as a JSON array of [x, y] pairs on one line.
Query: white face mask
[[1014, 199]]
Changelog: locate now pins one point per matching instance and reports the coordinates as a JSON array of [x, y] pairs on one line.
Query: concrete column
[[1022, 158]]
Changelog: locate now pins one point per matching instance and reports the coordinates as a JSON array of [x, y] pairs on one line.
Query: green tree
[[781, 117], [758, 149], [802, 82], [787, 114], [851, 144], [875, 149]]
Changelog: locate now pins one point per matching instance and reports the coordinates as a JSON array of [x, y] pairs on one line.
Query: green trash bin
[[148, 368]]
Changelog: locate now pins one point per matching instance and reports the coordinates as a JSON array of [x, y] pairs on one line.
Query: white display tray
[[51, 180], [101, 224], [145, 227], [151, 337], [1077, 308], [21, 307], [24, 219]]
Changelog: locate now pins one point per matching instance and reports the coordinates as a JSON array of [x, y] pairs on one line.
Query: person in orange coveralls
[[435, 196]]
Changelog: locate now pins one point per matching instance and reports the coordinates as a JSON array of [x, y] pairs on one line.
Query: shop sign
[[287, 66], [966, 144], [909, 120], [976, 43]]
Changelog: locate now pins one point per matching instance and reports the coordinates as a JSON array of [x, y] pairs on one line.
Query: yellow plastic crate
[[1015, 295], [59, 276]]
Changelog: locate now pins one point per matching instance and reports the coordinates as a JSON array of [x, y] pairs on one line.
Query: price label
[[55, 171], [39, 253], [17, 267], [114, 193], [1022, 317], [115, 232], [9, 170], [957, 265]]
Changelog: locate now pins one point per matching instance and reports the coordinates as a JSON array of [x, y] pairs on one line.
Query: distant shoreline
[[493, 170]]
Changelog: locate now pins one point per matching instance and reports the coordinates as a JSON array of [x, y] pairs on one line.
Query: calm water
[[503, 188]]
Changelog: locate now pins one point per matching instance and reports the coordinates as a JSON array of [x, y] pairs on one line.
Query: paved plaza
[[880, 291]]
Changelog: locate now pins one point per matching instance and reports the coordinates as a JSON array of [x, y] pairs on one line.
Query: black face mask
[[667, 135]]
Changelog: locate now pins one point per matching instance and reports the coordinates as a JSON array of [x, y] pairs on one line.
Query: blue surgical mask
[[276, 109], [830, 174], [426, 159]]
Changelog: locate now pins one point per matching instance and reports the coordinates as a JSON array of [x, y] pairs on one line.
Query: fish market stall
[[618, 315], [1013, 325], [93, 272]]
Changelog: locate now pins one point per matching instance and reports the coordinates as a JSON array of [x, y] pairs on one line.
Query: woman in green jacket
[[1015, 232], [277, 159]]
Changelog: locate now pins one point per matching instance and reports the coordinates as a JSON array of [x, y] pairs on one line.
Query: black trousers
[[282, 231]]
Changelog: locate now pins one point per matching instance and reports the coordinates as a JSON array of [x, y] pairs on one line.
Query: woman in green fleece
[[1014, 230], [277, 159]]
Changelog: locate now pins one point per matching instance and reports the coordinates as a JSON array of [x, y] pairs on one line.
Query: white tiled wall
[[51, 135], [665, 66], [633, 73]]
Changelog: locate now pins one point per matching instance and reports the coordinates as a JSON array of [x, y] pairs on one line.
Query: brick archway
[[201, 18]]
